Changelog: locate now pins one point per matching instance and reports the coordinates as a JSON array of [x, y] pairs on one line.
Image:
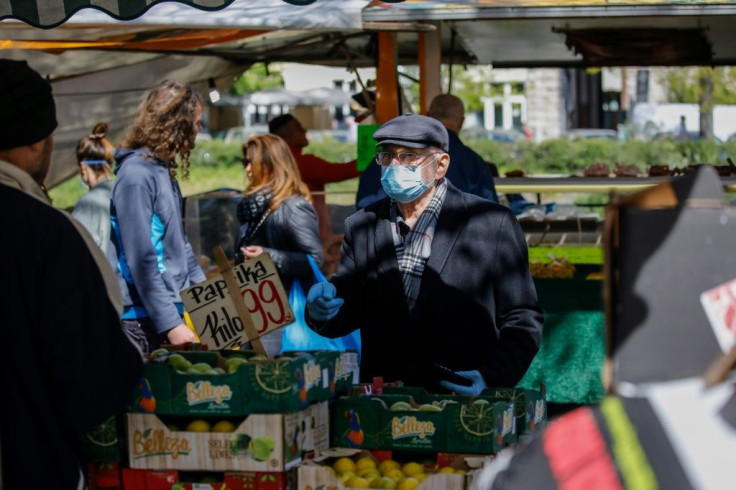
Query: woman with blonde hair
[[277, 217], [95, 155]]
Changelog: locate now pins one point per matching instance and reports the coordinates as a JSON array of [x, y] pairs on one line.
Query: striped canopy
[[48, 14]]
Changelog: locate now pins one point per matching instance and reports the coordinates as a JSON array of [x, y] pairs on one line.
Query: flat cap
[[413, 131], [27, 108]]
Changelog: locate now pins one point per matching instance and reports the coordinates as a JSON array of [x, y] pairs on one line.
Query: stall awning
[[48, 14]]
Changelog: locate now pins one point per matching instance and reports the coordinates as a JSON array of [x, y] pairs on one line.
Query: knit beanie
[[27, 109]]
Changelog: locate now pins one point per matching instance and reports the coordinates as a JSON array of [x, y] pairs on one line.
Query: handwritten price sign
[[213, 313], [719, 304]]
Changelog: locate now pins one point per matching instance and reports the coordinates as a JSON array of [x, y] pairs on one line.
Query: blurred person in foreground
[[95, 157], [315, 172], [150, 250], [468, 172], [436, 279], [68, 365], [276, 217]]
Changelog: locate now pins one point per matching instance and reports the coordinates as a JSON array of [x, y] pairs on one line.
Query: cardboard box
[[480, 426], [261, 442], [104, 443], [149, 480], [530, 407], [665, 246], [104, 476], [313, 477], [286, 384]]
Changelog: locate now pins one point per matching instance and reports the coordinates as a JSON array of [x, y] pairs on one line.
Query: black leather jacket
[[288, 234]]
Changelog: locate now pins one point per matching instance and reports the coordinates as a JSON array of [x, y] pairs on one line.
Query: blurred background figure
[[95, 157], [315, 172], [276, 217], [468, 172]]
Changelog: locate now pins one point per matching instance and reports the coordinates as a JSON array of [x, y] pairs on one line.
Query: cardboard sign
[[214, 315], [719, 304]]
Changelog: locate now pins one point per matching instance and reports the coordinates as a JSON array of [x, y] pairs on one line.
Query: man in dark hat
[[68, 366], [436, 279]]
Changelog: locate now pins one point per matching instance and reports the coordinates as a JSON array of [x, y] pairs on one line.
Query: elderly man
[[68, 365], [468, 171], [436, 279]]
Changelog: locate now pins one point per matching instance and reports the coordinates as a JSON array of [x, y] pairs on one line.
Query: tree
[[683, 85], [257, 77]]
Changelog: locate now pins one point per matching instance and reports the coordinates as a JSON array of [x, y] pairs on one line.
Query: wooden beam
[[387, 82], [430, 52]]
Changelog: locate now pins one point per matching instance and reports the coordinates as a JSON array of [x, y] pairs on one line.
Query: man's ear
[[443, 163], [37, 147]]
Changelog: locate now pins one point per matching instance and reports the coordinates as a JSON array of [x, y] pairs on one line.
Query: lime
[[261, 447], [274, 377], [239, 443], [477, 418], [105, 434]]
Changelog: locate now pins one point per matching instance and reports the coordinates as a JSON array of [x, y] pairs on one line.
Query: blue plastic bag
[[298, 336]]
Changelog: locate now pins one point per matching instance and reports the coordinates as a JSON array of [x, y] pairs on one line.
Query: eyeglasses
[[406, 158], [245, 161]]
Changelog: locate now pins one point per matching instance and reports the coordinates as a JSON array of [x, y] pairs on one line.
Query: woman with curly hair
[[95, 156], [150, 251], [277, 217]]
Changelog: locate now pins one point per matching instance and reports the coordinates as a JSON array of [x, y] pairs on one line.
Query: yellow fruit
[[384, 482], [395, 473], [387, 465], [346, 476], [365, 462], [408, 484], [357, 482], [343, 465], [223, 426], [421, 477], [411, 469], [460, 472], [199, 425], [446, 469], [368, 473]]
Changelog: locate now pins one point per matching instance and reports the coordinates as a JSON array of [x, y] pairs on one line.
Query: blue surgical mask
[[403, 183]]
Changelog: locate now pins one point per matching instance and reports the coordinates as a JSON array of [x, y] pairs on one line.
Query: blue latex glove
[[322, 303], [478, 384]]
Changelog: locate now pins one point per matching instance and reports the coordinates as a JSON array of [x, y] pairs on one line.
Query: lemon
[[368, 473], [343, 465], [357, 482], [395, 473], [446, 469], [408, 484], [421, 477], [365, 463], [346, 476], [460, 471], [199, 425], [384, 482], [387, 465], [411, 469], [223, 426]]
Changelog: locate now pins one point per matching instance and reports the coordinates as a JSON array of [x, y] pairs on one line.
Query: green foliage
[[255, 78], [215, 164], [683, 84]]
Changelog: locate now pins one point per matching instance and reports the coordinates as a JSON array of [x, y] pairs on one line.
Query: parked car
[[591, 133], [502, 135]]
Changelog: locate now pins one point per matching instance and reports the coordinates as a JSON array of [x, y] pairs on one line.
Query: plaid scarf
[[413, 245]]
